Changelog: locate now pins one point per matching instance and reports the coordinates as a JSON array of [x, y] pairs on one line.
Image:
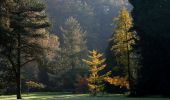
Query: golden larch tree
[[123, 40], [96, 65]]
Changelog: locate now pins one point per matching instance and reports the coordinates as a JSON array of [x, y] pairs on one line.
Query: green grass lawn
[[67, 96]]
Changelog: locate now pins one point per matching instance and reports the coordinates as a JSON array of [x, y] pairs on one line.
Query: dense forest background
[[89, 23], [95, 16]]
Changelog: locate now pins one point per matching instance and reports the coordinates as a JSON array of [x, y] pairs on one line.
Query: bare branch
[[27, 62]]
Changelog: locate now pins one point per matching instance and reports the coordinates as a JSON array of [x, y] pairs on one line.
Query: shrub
[[34, 85]]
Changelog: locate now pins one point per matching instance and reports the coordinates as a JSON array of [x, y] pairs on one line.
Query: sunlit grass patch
[[69, 96]]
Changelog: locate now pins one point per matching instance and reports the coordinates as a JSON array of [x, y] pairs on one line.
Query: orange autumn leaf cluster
[[122, 82]]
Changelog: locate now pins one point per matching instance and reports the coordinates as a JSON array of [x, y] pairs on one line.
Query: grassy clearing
[[67, 96]]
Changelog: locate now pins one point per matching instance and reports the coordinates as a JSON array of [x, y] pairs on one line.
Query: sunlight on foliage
[[95, 80], [122, 37], [31, 84], [122, 82]]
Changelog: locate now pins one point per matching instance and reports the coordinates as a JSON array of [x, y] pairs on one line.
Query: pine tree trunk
[[18, 82], [129, 72], [18, 75]]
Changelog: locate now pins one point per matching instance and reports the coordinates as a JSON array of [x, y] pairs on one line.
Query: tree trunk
[[18, 76], [129, 72], [128, 64], [18, 82]]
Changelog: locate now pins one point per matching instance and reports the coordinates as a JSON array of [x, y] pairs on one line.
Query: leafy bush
[[34, 85]]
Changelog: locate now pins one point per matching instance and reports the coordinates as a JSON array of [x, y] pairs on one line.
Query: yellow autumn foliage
[[122, 36], [95, 80], [122, 82]]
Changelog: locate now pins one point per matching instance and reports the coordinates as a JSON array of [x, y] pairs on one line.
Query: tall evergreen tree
[[23, 28], [123, 40], [68, 58], [74, 47]]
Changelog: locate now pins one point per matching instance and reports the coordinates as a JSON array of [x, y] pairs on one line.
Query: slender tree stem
[[18, 76]]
